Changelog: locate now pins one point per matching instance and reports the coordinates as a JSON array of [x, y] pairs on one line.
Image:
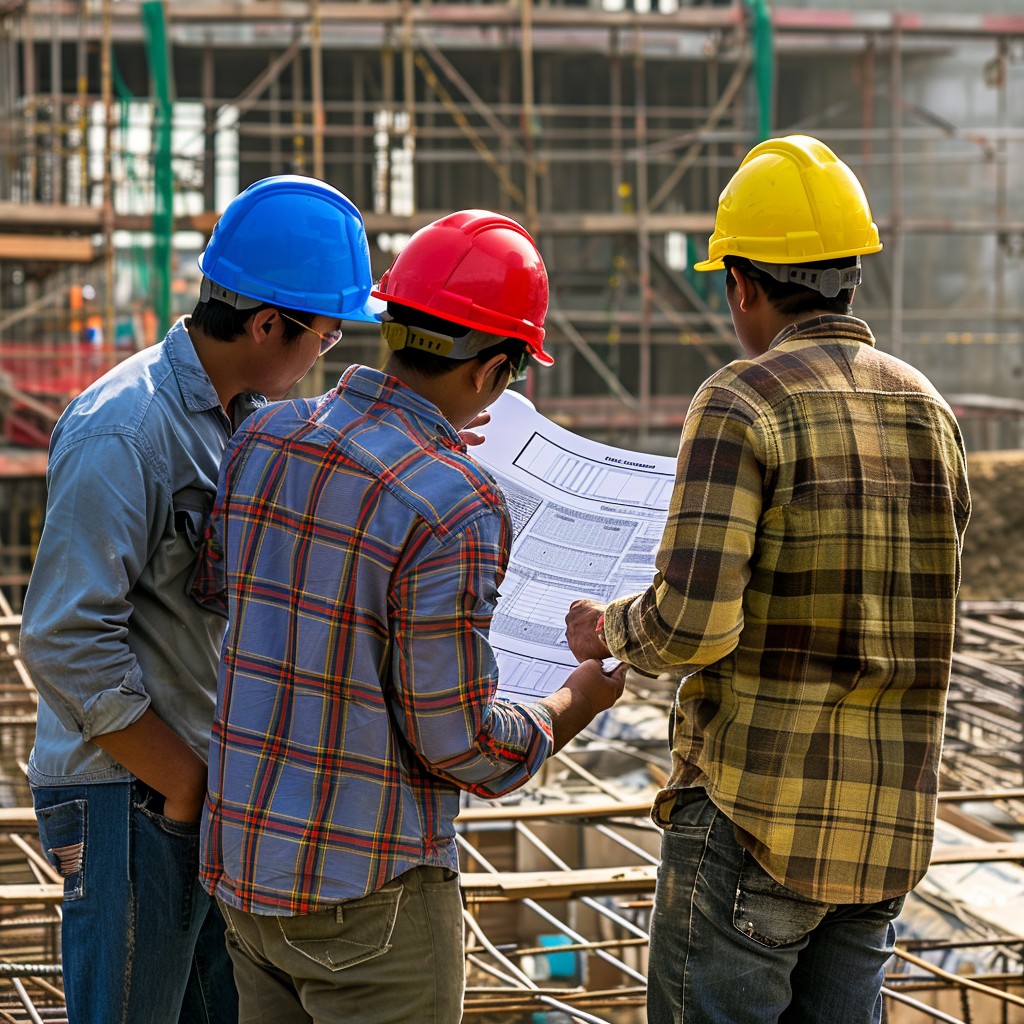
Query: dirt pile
[[993, 561]]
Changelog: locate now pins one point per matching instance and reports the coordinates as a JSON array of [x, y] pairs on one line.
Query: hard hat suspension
[[465, 346], [830, 281], [211, 290]]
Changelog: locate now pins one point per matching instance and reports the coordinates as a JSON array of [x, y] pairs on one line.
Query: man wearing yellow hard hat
[[805, 587]]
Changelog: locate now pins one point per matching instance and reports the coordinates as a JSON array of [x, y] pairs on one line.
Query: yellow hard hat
[[792, 200]]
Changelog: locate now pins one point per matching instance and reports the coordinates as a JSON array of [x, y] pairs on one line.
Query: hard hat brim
[[718, 264]]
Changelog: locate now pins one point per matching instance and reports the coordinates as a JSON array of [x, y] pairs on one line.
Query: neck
[[433, 389], [458, 394], [781, 321], [218, 359]]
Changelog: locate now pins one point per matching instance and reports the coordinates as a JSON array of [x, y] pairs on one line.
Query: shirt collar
[[197, 389], [377, 386], [834, 326]]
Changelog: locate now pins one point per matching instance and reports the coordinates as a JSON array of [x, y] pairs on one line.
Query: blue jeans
[[392, 957], [142, 942], [729, 945]]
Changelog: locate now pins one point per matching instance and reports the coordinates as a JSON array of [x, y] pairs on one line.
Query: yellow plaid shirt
[[807, 581]]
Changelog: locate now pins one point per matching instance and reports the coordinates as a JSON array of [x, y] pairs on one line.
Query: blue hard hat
[[294, 242]]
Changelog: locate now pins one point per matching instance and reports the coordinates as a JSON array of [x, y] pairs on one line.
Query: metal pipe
[[107, 85], [316, 85], [898, 240], [595, 905], [643, 236], [550, 918], [527, 114]]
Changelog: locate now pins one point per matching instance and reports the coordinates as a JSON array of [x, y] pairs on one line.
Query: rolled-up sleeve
[[102, 520], [692, 614], [445, 673]]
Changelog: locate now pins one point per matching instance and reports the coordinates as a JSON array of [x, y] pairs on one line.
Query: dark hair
[[218, 320], [793, 299], [430, 364]]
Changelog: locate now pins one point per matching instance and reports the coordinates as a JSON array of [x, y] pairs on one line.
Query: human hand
[[581, 630], [183, 809], [587, 691], [470, 437], [599, 687]]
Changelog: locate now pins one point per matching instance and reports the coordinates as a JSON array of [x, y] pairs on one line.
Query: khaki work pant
[[391, 957]]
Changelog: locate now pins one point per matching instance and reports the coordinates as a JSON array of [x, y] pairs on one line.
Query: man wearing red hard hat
[[357, 551]]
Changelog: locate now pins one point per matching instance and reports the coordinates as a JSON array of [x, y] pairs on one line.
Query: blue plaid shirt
[[357, 551]]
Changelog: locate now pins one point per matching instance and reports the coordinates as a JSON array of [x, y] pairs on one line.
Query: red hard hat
[[478, 269]]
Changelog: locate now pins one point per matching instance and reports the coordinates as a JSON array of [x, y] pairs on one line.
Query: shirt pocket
[[191, 511]]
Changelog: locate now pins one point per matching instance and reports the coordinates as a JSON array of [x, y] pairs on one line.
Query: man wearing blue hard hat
[[125, 661]]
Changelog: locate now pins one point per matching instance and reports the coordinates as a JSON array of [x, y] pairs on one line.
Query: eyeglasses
[[517, 371], [327, 341]]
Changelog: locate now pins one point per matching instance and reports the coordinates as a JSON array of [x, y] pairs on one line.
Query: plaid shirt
[[360, 551], [807, 579]]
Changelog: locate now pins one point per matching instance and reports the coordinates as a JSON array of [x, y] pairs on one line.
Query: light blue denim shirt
[[108, 626]]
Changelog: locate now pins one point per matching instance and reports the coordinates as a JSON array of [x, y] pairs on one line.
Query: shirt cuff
[[114, 709], [616, 627]]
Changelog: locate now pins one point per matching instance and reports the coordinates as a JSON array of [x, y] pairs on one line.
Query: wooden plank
[[980, 854], [17, 819], [640, 808], [31, 893], [561, 885], [47, 248], [51, 216]]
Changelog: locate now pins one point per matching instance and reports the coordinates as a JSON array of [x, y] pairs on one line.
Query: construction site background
[[608, 128]]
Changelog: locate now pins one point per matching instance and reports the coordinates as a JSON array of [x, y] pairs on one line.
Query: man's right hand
[[153, 752], [581, 630], [586, 692]]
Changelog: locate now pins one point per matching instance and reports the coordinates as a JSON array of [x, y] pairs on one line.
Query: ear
[[261, 324], [486, 376], [748, 291]]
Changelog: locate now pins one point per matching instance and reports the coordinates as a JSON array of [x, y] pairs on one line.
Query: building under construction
[[608, 128]]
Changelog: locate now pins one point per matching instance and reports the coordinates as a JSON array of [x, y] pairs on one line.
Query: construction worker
[[357, 552], [805, 588], [124, 658]]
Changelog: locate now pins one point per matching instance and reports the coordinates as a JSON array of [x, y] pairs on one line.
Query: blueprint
[[587, 522]]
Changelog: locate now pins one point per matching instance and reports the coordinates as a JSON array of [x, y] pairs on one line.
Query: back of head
[[477, 277], [799, 215], [295, 243]]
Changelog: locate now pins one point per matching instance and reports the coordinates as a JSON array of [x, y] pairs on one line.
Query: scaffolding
[[608, 127]]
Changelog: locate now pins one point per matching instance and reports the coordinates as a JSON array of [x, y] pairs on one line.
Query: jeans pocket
[[882, 912], [150, 804], [770, 913], [62, 833], [354, 932], [690, 812]]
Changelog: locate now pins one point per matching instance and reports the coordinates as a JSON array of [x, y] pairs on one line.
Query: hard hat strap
[[830, 281], [211, 290]]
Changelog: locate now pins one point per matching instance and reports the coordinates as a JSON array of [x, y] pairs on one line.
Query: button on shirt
[[359, 550], [108, 626], [807, 579]]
